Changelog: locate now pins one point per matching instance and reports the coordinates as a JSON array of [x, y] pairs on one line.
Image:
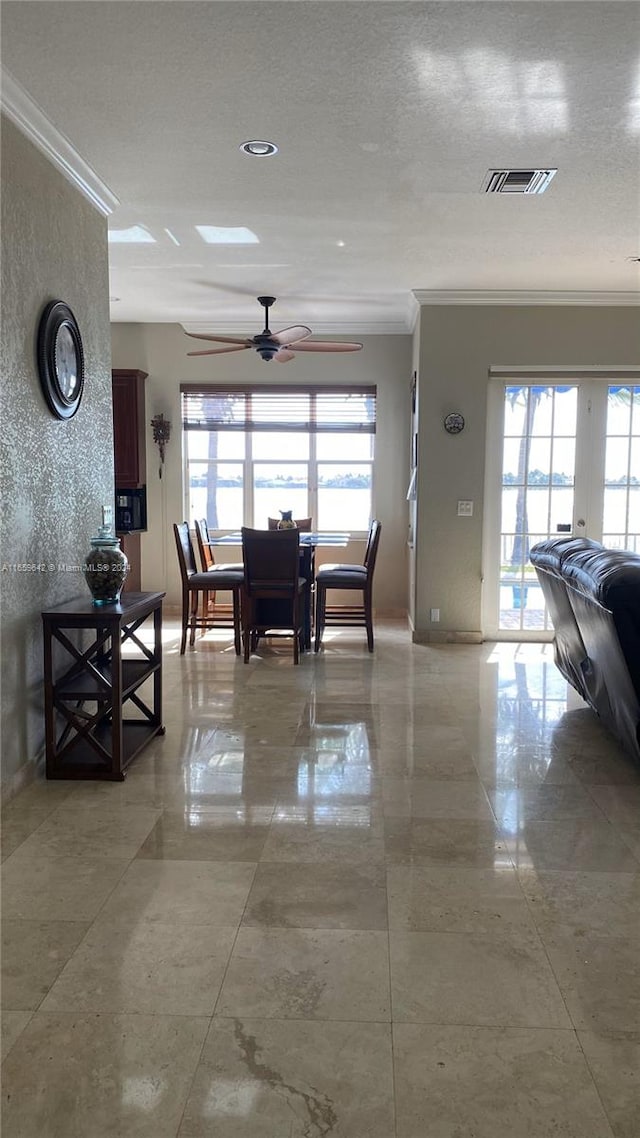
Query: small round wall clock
[[454, 423], [60, 359]]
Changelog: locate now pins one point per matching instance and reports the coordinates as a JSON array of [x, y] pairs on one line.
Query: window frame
[[310, 428]]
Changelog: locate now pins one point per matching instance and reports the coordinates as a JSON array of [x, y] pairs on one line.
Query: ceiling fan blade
[[325, 346], [290, 335], [246, 343], [284, 355], [218, 351]]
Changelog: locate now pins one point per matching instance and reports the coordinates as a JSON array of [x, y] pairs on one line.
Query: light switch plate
[[465, 509], [107, 515]]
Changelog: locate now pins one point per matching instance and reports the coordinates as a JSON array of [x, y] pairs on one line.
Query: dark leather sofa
[[593, 597]]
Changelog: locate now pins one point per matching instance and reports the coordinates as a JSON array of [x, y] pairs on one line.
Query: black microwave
[[131, 510]]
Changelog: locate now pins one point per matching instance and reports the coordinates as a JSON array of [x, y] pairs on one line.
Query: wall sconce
[[161, 435]]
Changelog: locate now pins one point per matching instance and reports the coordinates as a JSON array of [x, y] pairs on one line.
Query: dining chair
[[221, 613], [303, 524], [220, 577], [354, 578], [273, 593], [205, 549]]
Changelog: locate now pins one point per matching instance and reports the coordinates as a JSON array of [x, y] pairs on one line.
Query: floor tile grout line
[[391, 1019], [193, 1076], [85, 935], [595, 1083], [235, 939]]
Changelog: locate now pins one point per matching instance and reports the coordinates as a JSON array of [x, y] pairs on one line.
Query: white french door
[[563, 457]]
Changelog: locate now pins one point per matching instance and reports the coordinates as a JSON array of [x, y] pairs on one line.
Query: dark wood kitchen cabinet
[[130, 461], [129, 428]]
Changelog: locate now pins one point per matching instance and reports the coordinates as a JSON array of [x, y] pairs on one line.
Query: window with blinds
[[251, 453]]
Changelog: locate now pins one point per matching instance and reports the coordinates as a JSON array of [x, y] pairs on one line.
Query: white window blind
[[310, 409]]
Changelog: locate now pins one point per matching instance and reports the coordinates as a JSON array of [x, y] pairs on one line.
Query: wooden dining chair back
[[273, 595], [197, 585], [220, 612], [303, 524], [207, 560], [352, 578], [205, 550]]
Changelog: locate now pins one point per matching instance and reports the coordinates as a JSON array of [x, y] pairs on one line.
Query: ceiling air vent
[[517, 181]]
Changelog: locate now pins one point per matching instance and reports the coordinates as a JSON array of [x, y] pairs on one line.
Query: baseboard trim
[[427, 636], [19, 781]]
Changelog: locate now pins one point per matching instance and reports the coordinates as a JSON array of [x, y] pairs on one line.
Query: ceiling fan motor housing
[[265, 347]]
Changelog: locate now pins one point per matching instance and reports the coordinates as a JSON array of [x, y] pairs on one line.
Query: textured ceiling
[[387, 117]]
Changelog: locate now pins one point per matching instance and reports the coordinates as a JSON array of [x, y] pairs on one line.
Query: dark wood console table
[[86, 733]]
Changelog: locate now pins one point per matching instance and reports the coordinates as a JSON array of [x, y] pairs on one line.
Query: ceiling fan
[[281, 346]]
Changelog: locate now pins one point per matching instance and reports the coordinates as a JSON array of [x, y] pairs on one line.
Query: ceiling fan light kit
[[280, 346]]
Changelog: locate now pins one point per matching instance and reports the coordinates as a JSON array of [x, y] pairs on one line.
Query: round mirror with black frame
[[60, 359]]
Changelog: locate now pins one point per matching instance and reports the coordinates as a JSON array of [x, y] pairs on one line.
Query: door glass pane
[[618, 411], [344, 496], [279, 486], [537, 493], [515, 411], [216, 493], [616, 461], [615, 512], [633, 522], [621, 519], [560, 510], [563, 461], [511, 468], [543, 413], [539, 465]]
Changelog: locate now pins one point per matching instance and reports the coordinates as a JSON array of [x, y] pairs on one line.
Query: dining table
[[309, 542]]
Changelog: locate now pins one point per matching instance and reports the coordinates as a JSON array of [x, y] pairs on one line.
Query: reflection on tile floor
[[388, 896]]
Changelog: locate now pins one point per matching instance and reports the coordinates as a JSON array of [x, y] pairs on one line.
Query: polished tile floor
[[367, 897]]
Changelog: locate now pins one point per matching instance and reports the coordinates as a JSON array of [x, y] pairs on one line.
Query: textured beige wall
[[160, 350], [55, 475], [458, 345]]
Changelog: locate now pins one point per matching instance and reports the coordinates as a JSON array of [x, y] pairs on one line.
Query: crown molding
[[525, 297], [413, 312], [18, 106]]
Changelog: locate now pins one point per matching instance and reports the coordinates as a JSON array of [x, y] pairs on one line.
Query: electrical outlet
[[435, 615], [465, 509]]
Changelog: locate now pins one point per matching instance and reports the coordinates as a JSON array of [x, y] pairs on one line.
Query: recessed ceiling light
[[258, 149], [341, 244]]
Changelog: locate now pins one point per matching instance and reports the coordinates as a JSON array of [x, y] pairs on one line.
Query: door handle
[[581, 522]]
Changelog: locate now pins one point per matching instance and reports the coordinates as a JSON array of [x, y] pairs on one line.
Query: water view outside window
[[538, 476], [538, 485], [251, 456], [621, 525]]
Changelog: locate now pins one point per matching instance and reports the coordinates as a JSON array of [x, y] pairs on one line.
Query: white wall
[[161, 351], [55, 475]]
